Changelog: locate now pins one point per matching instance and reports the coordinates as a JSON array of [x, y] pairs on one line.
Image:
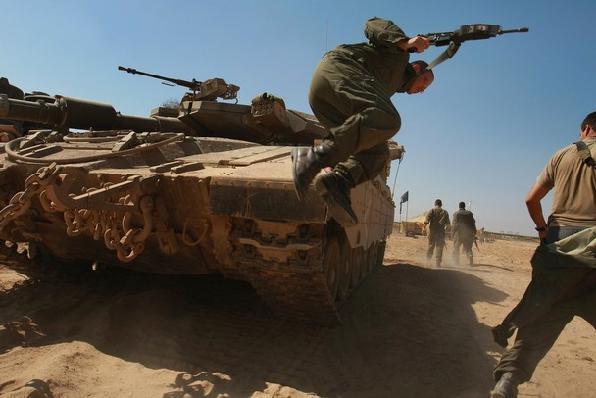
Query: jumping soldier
[[350, 95]]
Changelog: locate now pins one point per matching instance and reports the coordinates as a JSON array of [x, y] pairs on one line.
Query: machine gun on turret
[[465, 33], [209, 90]]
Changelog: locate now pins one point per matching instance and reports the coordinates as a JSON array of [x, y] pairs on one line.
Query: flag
[[404, 197]]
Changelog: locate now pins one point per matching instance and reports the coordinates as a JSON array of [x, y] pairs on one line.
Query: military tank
[[208, 190]]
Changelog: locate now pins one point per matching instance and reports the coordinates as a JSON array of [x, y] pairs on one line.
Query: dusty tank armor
[[209, 191]]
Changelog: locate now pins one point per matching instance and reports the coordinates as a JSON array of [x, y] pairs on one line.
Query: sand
[[409, 331]]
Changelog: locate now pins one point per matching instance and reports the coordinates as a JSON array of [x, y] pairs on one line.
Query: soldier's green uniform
[[350, 95], [463, 229], [563, 281], [437, 220], [563, 285]]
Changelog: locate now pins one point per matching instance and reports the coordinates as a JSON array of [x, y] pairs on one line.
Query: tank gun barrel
[[67, 112]]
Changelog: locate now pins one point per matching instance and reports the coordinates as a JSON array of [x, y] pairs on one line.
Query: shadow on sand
[[407, 332]]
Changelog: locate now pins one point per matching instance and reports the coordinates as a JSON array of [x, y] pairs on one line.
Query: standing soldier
[[562, 285], [350, 94], [437, 220], [481, 234], [463, 232]]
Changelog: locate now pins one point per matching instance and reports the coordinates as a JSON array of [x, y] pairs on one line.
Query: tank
[[208, 190]]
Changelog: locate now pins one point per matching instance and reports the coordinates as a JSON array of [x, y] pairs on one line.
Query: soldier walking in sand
[[563, 281], [463, 232], [437, 220]]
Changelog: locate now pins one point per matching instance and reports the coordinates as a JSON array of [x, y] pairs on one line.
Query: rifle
[[465, 33]]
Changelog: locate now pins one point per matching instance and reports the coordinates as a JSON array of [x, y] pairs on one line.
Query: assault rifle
[[465, 33]]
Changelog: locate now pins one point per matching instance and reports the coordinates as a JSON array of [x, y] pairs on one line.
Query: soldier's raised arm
[[384, 33]]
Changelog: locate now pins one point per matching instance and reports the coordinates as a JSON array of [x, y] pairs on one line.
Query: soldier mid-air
[[350, 94]]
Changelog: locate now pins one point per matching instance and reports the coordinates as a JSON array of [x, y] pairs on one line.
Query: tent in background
[[414, 225]]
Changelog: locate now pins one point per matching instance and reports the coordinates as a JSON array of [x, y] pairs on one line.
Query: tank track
[[305, 272]]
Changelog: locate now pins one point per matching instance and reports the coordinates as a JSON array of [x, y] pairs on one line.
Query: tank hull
[[193, 205]]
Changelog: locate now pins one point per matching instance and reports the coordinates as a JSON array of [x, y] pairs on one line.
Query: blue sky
[[481, 133]]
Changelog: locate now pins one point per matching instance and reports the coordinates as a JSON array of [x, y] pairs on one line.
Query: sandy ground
[[409, 331]]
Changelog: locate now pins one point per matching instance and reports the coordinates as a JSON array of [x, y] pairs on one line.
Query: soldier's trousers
[[357, 113], [436, 244], [551, 300], [536, 334], [467, 243]]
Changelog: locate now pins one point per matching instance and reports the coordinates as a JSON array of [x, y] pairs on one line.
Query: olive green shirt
[[464, 224], [381, 57], [574, 202], [437, 219]]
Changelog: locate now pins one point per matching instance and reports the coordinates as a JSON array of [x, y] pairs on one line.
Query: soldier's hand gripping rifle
[[465, 32]]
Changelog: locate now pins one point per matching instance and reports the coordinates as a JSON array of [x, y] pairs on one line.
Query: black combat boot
[[335, 189], [506, 387], [501, 335], [307, 163]]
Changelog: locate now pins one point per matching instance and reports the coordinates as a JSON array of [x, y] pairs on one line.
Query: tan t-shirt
[[574, 203]]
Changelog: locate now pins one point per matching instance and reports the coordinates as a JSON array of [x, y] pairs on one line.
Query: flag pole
[[407, 207]]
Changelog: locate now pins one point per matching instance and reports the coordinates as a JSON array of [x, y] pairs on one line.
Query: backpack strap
[[584, 153]]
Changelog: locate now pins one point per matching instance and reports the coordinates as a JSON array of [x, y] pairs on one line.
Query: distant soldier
[[562, 285], [437, 220], [10, 129], [481, 234], [463, 232]]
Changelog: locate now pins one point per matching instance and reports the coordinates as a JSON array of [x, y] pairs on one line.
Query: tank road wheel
[[332, 266], [343, 289]]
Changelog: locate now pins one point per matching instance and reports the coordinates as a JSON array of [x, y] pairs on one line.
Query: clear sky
[[481, 133]]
